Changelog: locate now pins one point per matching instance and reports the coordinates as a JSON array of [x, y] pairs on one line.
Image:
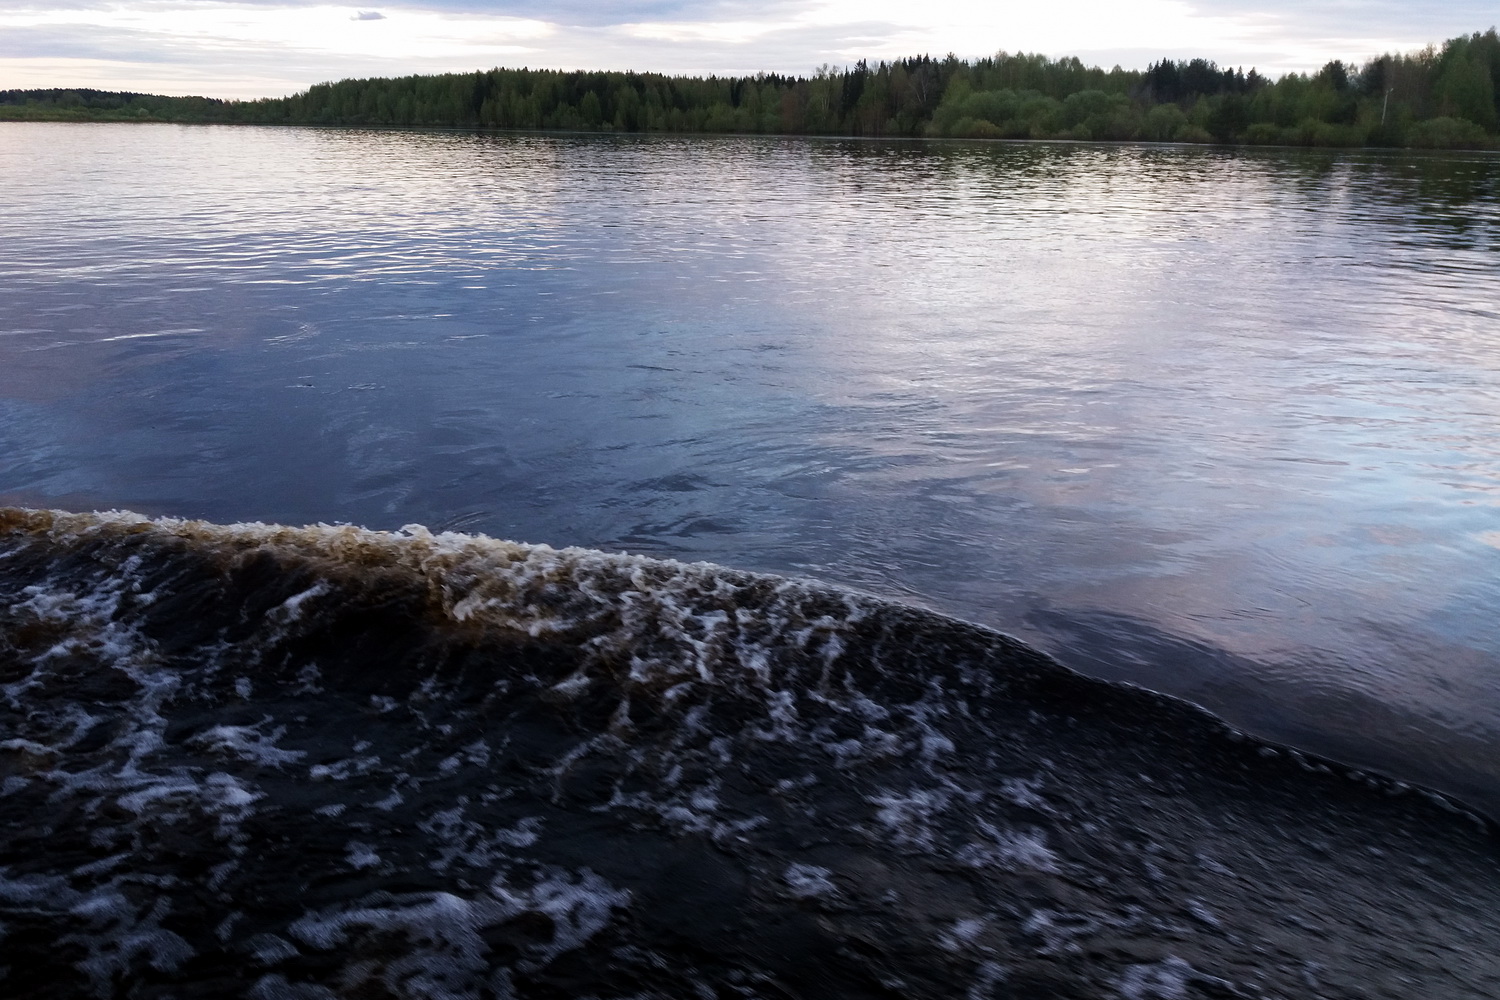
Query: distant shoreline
[[829, 136], [1437, 98]]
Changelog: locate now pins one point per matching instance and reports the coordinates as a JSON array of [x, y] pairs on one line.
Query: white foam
[[129, 778], [908, 817], [343, 770], [446, 955], [478, 846], [248, 743], [291, 609], [807, 881], [391, 801], [357, 855], [987, 977], [962, 935], [610, 602], [1203, 914], [687, 811], [276, 987], [307, 680], [270, 949], [1012, 850], [580, 906], [1061, 930], [1164, 980], [1023, 792], [28, 747], [113, 931]]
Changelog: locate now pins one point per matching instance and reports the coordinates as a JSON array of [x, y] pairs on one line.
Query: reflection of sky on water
[[1181, 399]]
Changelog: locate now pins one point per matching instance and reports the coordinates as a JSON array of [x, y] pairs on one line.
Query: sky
[[268, 48]]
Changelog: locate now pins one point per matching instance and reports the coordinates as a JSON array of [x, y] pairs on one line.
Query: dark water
[[1226, 424], [311, 763]]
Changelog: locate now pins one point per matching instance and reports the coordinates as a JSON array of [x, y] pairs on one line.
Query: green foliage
[[1228, 118], [1440, 98], [1448, 133], [1265, 134], [1465, 88], [1163, 122], [99, 105]]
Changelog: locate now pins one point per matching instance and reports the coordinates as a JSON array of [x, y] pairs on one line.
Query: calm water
[[1226, 424]]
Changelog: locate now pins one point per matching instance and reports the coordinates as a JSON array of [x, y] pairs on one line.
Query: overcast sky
[[257, 48]]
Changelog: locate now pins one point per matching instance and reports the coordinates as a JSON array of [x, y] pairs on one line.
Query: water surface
[[1222, 423]]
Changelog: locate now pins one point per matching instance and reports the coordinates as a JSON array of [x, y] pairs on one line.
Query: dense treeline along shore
[[1446, 97]]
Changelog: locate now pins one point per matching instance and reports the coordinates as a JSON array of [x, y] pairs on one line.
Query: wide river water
[[1224, 423]]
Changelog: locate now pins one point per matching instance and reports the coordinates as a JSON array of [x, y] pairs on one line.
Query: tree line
[[1439, 97]]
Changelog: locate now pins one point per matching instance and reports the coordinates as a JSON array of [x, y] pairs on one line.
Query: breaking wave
[[274, 762]]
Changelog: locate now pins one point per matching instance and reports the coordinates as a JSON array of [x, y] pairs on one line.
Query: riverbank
[[1432, 100]]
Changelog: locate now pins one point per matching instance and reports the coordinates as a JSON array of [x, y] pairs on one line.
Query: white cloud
[[283, 47], [218, 28], [896, 28], [247, 49], [698, 32]]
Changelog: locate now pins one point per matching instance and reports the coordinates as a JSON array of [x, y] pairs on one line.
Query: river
[[1222, 423]]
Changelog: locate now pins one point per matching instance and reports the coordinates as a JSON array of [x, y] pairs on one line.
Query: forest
[[1445, 97]]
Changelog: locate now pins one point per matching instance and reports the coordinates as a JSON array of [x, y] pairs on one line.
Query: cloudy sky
[[256, 48]]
